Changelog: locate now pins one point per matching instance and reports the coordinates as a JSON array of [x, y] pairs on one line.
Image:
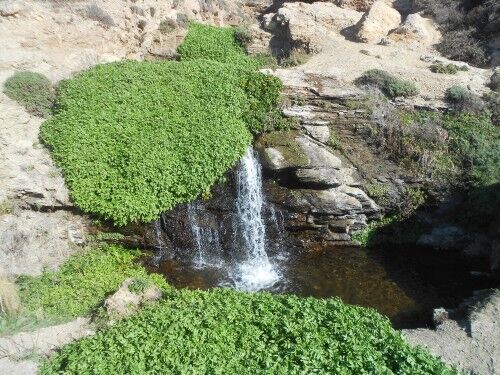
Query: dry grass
[[9, 297]]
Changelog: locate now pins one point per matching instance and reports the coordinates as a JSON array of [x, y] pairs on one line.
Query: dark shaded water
[[403, 284]]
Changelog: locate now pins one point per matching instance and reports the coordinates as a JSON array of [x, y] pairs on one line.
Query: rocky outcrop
[[467, 336], [417, 29], [377, 22], [305, 26]]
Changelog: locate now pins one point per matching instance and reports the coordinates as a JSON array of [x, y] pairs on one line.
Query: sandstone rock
[[417, 29], [10, 7], [330, 201], [377, 22], [368, 204], [126, 301], [307, 25]]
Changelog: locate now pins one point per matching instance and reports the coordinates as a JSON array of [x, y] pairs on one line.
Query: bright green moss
[[135, 139]]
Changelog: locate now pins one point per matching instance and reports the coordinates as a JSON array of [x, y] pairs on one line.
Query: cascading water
[[253, 270]]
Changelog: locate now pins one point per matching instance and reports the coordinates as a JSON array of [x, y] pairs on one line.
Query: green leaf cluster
[[134, 139], [224, 331], [32, 90]]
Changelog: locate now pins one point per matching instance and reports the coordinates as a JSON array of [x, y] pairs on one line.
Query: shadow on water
[[404, 284]]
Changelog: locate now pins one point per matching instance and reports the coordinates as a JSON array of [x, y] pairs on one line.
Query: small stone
[[9, 8]]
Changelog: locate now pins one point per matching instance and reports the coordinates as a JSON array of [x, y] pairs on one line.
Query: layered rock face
[[316, 186]]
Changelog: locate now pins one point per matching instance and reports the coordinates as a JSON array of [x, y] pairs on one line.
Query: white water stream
[[254, 270]]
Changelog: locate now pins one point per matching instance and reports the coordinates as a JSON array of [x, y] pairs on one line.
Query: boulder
[[318, 177], [132, 294], [10, 8], [377, 22], [318, 156], [358, 5], [417, 29]]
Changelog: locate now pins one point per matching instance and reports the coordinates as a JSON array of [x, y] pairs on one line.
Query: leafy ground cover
[[391, 86], [77, 288], [228, 332], [134, 139]]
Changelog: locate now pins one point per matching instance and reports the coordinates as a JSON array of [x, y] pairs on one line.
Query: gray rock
[[330, 201], [320, 133], [320, 177], [443, 237], [319, 156]]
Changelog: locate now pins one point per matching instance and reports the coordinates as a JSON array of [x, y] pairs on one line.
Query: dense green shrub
[[391, 86], [447, 68], [32, 90], [135, 139], [228, 332], [214, 43], [463, 99], [78, 287]]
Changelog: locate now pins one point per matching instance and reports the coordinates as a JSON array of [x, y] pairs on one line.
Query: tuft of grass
[[295, 58], [77, 288], [9, 298], [33, 91], [448, 68], [167, 26], [96, 13], [223, 331], [391, 86], [138, 286]]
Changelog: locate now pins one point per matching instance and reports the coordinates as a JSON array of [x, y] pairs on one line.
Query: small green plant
[[167, 26], [33, 91], [448, 68], [379, 192], [296, 57], [96, 13], [138, 286], [413, 198], [367, 236], [334, 141], [462, 99], [391, 86], [5, 207], [243, 36]]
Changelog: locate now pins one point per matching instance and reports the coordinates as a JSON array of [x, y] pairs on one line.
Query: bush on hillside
[[224, 331], [243, 36], [135, 139], [447, 68], [391, 86], [466, 27], [96, 13], [462, 99], [33, 91]]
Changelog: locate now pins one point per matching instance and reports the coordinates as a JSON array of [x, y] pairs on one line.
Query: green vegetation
[[135, 139], [243, 36], [228, 332], [391, 86], [77, 288], [378, 191], [295, 58], [448, 68], [367, 236], [138, 286], [32, 90]]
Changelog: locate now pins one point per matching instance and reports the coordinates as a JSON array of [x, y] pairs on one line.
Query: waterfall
[[254, 270], [207, 242]]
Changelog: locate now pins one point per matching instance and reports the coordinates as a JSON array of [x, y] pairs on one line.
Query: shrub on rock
[[391, 86], [32, 90]]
